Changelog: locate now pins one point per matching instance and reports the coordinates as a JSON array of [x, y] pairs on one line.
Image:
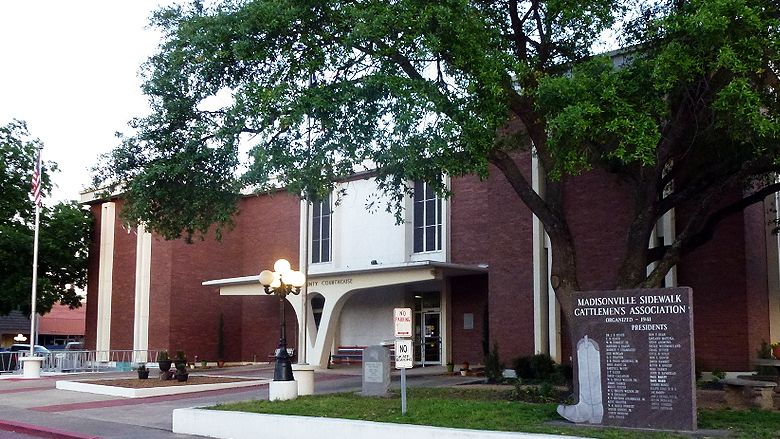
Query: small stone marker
[[376, 371]]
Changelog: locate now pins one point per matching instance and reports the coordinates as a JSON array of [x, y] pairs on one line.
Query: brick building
[[474, 268]]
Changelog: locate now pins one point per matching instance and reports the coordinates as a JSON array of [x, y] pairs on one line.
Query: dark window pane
[[438, 235], [430, 238], [438, 210], [419, 191], [326, 227], [418, 239], [418, 214], [315, 229], [429, 193], [325, 250], [317, 208], [430, 212], [315, 251]]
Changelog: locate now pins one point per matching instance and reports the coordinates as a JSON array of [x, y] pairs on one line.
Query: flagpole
[[37, 201]]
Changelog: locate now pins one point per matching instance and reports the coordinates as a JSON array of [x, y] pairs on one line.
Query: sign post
[[404, 354]]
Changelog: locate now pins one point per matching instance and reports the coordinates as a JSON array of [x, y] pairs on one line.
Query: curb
[[37, 430]]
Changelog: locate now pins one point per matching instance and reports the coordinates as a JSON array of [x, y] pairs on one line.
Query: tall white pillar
[[143, 259], [105, 278]]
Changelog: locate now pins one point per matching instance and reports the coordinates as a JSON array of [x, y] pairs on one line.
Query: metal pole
[[304, 358], [282, 368], [403, 391], [34, 299]]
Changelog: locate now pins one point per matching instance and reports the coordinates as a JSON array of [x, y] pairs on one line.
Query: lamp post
[[281, 282]]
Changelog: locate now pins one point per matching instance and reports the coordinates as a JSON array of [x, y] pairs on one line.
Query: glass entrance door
[[431, 341], [427, 328]]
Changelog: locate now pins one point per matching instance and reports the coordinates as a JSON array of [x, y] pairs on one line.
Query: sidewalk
[[37, 408]]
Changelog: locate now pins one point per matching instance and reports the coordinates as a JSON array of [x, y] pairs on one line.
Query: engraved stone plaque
[[373, 372], [634, 359], [376, 371]]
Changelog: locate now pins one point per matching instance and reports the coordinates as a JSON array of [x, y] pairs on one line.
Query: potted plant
[[776, 350], [450, 367], [465, 369], [164, 361], [143, 372], [181, 358], [181, 372]]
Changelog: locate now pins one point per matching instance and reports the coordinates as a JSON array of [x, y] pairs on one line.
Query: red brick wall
[[160, 290], [756, 278], [468, 294], [123, 284], [490, 225], [600, 210], [184, 315]]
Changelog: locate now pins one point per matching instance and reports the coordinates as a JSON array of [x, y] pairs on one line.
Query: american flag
[[36, 180]]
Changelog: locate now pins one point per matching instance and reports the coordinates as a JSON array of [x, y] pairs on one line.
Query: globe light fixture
[[281, 282]]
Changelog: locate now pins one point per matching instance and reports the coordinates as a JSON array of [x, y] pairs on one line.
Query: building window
[[321, 231], [427, 218]]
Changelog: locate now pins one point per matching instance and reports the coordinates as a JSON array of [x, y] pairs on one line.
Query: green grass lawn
[[489, 410]]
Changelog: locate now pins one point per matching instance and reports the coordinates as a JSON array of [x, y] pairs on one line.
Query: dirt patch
[[135, 383]]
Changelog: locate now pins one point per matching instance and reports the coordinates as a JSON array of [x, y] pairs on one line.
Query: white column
[[105, 276], [554, 311], [541, 278], [143, 258], [773, 266]]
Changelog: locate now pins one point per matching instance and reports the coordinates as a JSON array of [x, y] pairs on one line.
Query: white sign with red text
[[402, 318]]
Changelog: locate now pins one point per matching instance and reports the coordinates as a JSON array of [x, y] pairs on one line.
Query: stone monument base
[[282, 390], [304, 375], [31, 367]]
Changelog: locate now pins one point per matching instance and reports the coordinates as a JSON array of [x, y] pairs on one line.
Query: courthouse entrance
[[427, 328]]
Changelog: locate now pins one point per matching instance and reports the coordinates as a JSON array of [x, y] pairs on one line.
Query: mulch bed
[[135, 383]]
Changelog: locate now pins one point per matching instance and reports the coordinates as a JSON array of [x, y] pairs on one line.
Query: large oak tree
[[684, 114]]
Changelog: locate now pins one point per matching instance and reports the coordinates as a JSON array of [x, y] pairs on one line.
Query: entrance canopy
[[367, 277], [337, 286]]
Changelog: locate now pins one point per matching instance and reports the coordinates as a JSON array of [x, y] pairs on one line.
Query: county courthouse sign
[[634, 359]]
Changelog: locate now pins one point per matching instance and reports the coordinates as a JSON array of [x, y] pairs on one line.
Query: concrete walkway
[[37, 408]]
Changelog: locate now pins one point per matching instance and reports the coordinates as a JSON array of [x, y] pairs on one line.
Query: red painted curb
[[37, 430]]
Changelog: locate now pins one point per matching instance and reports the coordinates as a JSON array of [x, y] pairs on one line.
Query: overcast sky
[[70, 69]]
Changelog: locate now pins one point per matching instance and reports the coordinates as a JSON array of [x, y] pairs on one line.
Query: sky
[[70, 70]]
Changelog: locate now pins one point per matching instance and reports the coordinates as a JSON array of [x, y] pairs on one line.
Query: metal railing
[[81, 361]]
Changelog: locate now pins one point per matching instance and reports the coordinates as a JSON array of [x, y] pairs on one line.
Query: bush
[[494, 370], [541, 368]]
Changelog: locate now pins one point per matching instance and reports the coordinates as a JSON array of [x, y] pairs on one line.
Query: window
[[320, 231], [427, 219]]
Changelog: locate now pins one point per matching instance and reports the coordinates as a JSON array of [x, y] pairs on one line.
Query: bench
[[347, 355], [740, 391], [354, 354]]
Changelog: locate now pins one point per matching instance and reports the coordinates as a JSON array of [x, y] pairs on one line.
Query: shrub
[[541, 368], [494, 370]]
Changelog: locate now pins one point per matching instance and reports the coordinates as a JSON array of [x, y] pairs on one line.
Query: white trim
[[127, 392], [242, 425], [771, 204], [143, 260], [541, 307], [105, 278]]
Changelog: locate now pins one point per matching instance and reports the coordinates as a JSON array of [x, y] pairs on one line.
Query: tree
[[64, 232], [416, 89]]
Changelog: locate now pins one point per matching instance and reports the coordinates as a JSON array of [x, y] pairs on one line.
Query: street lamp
[[281, 282]]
